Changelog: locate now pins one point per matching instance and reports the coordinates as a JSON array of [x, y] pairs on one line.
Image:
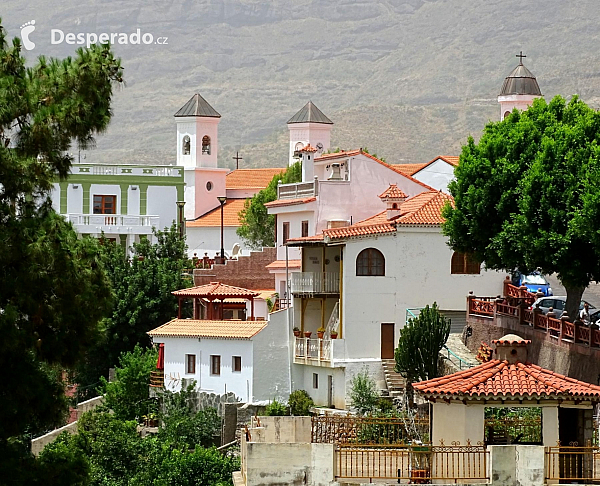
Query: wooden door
[[387, 340]]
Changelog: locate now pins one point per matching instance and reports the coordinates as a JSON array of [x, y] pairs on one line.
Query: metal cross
[[237, 159], [520, 55]]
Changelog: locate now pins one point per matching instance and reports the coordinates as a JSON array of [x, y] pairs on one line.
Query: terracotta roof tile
[[499, 378], [409, 169], [424, 209], [216, 290], [308, 148], [212, 218], [393, 192], [451, 159], [289, 202], [251, 178], [209, 329], [280, 264]]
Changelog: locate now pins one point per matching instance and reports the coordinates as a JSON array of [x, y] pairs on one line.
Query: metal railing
[[573, 463], [315, 283], [113, 220], [297, 190], [418, 464], [126, 170], [312, 349], [336, 429], [157, 378], [457, 360]]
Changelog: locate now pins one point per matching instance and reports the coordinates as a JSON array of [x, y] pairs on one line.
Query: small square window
[[190, 363], [215, 365], [236, 365], [315, 380]]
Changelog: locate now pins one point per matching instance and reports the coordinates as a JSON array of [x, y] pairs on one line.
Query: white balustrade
[[315, 283]]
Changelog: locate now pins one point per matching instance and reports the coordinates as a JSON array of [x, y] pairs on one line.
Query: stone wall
[[569, 359], [203, 400], [248, 272], [235, 416]]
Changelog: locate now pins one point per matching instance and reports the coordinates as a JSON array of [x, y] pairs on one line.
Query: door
[[330, 391], [387, 340], [569, 433]]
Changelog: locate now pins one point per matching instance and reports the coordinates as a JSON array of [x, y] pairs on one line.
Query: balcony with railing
[[315, 283], [113, 223], [318, 352], [298, 190], [127, 170]]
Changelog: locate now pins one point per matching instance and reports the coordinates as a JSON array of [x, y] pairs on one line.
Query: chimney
[[308, 163], [511, 348], [393, 198]]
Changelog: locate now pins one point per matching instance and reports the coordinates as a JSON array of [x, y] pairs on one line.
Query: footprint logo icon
[[26, 29]]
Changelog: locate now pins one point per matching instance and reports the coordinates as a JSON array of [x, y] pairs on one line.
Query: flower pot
[[333, 336], [320, 334], [307, 334], [297, 333], [419, 476]]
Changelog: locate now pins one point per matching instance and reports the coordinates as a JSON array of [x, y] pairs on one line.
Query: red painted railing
[[556, 328]]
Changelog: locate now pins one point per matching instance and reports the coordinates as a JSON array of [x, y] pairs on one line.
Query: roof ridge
[[397, 171]]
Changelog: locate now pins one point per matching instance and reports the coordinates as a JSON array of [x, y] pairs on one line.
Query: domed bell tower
[[519, 90]]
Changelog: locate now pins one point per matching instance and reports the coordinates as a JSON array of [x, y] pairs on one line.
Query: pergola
[[215, 292]]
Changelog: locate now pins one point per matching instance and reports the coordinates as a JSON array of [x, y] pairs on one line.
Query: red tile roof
[[196, 328], [424, 209], [308, 148], [393, 192], [231, 210], [409, 169], [251, 178], [280, 264], [289, 202], [499, 378], [216, 290]]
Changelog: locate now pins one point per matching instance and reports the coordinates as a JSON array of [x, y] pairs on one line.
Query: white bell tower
[[309, 127], [197, 148], [519, 90]]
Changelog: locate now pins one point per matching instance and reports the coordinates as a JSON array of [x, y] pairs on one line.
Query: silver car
[[557, 302]]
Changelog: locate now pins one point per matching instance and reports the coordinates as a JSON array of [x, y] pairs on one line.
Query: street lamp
[[181, 218], [222, 200]]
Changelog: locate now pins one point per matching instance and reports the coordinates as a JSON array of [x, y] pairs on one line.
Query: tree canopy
[[258, 226], [527, 196], [420, 343], [53, 289]]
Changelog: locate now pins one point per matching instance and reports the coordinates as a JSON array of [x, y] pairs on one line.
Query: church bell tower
[[519, 90]]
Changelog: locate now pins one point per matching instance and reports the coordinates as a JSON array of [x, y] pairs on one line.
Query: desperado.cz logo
[[87, 39]]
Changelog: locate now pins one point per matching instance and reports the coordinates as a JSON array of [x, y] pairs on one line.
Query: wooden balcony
[[157, 379]]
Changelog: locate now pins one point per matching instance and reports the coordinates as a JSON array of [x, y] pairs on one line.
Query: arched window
[[464, 263], [507, 114], [299, 146], [185, 146], [206, 145], [370, 262], [394, 206]]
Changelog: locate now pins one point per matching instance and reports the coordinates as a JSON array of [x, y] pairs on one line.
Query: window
[[190, 363], [299, 146], [370, 262], [286, 232], [465, 264], [304, 228], [209, 186], [206, 145], [315, 380], [215, 365], [185, 147], [507, 114], [105, 204], [236, 365]]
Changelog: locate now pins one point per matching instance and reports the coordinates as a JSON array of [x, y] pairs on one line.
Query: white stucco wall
[[75, 199], [437, 175], [133, 200], [162, 201], [457, 422], [294, 217], [55, 197], [239, 383], [208, 240]]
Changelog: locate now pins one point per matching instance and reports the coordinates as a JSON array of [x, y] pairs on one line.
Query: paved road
[[591, 294]]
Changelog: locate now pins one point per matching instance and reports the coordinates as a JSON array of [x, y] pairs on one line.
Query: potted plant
[[333, 334], [320, 332], [307, 334], [296, 332]]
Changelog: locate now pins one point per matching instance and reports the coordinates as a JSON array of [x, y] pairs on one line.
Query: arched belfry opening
[[186, 145], [205, 145]]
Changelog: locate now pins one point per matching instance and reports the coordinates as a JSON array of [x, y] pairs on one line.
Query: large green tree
[[53, 290], [142, 284], [258, 226], [527, 196]]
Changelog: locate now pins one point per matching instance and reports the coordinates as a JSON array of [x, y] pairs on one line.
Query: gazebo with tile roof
[[214, 291], [458, 401]]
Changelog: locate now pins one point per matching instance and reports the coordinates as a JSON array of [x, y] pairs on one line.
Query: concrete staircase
[[394, 381]]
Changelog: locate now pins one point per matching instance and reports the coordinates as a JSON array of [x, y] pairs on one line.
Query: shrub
[[363, 393], [276, 409], [300, 403]]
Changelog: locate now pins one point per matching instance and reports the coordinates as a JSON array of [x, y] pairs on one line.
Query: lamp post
[[222, 200], [181, 218]]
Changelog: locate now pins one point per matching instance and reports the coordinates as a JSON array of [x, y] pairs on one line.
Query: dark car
[[534, 282]]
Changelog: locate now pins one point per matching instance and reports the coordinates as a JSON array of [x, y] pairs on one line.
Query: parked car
[[558, 304], [534, 282]]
